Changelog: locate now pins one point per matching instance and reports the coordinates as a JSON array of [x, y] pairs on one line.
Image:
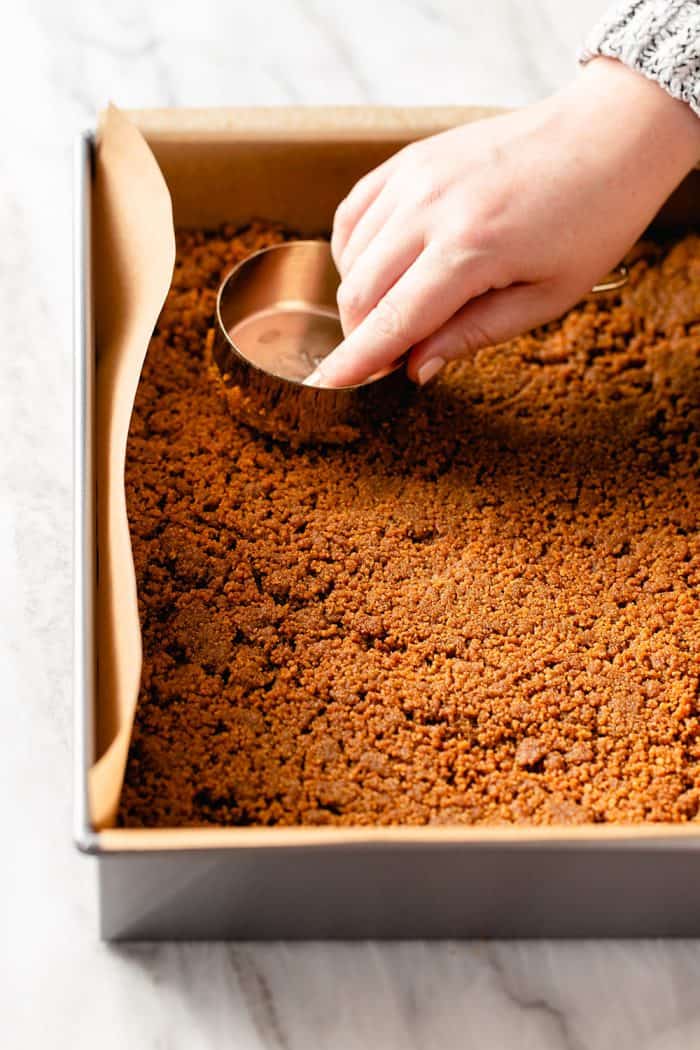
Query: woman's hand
[[468, 238]]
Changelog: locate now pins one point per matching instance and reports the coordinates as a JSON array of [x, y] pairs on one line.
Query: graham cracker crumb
[[485, 611]]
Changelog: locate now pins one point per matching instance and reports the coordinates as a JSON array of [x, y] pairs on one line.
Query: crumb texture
[[483, 611]]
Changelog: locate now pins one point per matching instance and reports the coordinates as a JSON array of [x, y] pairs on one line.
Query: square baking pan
[[398, 882]]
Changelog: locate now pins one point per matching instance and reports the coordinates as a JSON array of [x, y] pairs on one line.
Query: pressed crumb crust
[[483, 611]]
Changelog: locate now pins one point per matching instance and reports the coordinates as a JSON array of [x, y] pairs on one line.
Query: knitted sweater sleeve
[[658, 38]]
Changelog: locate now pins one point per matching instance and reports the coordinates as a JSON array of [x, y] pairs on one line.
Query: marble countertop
[[60, 986]]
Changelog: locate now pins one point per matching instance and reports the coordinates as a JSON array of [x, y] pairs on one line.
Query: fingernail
[[315, 378], [429, 369], [326, 373]]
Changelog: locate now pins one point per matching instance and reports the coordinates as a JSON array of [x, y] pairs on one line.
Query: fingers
[[427, 294], [379, 266], [351, 209], [367, 227], [485, 321]]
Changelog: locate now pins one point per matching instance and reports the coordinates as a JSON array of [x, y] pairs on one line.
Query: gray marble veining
[[59, 986]]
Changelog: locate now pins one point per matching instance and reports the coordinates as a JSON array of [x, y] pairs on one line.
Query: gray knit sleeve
[[659, 38]]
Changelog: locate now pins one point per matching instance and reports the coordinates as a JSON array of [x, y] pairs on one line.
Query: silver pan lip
[[84, 567]]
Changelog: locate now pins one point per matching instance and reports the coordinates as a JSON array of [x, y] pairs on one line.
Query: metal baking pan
[[221, 883]]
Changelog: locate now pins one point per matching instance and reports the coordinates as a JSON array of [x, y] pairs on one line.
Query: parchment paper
[[134, 253]]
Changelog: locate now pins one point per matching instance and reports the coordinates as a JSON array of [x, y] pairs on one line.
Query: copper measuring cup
[[276, 320]]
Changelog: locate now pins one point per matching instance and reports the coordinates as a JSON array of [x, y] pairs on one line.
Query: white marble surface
[[59, 987]]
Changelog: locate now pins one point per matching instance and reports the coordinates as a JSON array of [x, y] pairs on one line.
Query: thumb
[[491, 318]]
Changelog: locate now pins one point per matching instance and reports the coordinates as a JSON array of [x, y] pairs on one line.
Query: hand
[[468, 238]]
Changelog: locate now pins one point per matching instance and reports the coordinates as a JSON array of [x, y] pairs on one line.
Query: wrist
[[639, 126]]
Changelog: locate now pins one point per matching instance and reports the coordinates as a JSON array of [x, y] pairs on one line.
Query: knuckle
[[494, 210], [349, 299], [416, 167], [341, 214], [473, 336], [388, 320], [482, 228], [432, 195], [477, 236], [413, 152], [362, 182], [426, 190], [448, 252]]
